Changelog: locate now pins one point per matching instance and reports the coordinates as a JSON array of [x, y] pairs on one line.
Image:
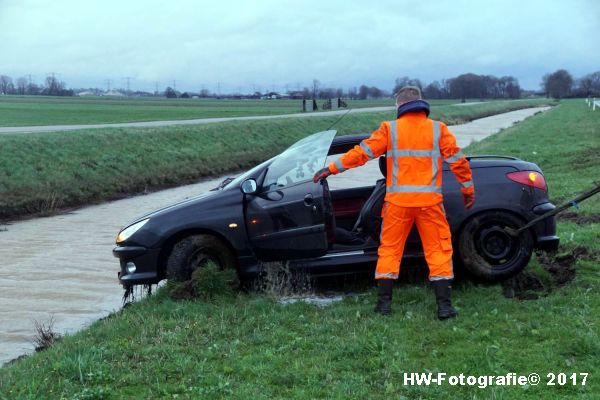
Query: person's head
[[406, 94]]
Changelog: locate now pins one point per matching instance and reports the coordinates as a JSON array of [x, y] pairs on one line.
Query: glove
[[321, 174], [469, 199]]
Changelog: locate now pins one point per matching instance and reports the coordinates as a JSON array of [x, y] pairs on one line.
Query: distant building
[[113, 92]]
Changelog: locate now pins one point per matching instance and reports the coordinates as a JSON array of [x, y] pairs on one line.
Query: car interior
[[355, 223]]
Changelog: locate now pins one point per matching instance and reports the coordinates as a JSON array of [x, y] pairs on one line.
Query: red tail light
[[529, 178]]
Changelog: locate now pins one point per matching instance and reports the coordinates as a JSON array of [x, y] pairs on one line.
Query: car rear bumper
[[145, 262], [548, 243], [545, 230]]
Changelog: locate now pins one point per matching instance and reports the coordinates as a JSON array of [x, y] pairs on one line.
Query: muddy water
[[62, 267]]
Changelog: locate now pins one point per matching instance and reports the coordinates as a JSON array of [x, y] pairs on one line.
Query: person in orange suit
[[415, 147]]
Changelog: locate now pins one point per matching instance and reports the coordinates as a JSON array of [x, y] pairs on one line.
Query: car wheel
[[195, 252], [489, 252]]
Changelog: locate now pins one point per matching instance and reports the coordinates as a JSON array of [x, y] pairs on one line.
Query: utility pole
[[174, 85], [108, 81], [127, 79], [156, 88], [219, 89]]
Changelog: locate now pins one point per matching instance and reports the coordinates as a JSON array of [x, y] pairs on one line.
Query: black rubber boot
[[443, 289], [384, 300]]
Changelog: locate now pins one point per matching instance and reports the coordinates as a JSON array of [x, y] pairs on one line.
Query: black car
[[275, 212]]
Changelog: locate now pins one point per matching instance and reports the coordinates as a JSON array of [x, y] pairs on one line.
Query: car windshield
[[300, 161], [238, 180]]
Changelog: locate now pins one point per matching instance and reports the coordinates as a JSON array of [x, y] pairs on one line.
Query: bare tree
[[558, 84], [589, 85], [22, 85], [315, 87], [406, 81], [6, 85], [433, 91]]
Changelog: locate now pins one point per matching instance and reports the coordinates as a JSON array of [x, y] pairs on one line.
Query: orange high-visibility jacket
[[414, 146]]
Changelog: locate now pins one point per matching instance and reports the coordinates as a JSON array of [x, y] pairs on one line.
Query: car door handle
[[308, 200]]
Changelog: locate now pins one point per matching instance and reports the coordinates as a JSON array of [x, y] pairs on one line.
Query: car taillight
[[530, 178]]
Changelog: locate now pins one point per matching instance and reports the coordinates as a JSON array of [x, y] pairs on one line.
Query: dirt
[[579, 218], [560, 266]]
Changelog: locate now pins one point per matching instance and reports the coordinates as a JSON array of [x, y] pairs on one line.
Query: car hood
[[175, 206]]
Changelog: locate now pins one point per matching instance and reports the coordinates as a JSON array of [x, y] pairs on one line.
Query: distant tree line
[[559, 84], [23, 86], [465, 86]]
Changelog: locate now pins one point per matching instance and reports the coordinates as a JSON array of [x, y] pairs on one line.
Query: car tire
[[488, 252], [194, 252]]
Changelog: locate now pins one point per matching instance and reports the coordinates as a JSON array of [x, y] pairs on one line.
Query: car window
[[299, 162], [365, 175], [237, 181]]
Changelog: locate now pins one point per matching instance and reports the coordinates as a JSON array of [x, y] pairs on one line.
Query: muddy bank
[[62, 266], [560, 267]]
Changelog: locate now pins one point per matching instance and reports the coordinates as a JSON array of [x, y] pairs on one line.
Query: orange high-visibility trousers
[[435, 237]]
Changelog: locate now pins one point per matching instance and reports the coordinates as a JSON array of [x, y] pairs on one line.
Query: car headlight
[[130, 230]]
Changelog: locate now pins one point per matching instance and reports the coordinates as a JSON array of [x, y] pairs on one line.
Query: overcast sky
[[268, 44]]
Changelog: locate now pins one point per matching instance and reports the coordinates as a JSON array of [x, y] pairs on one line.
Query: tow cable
[[573, 203]]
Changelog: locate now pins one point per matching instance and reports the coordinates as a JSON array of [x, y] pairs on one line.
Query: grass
[[249, 346], [45, 172], [39, 110]]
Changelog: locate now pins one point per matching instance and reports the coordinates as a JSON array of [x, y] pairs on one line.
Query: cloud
[[264, 43]]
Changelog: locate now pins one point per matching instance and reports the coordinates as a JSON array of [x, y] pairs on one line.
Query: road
[[61, 267], [152, 124]]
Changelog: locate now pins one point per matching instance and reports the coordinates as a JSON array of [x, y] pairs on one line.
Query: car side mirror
[[249, 186]]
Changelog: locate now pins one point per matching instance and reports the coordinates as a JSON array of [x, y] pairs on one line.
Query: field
[[45, 172], [39, 110], [249, 346]]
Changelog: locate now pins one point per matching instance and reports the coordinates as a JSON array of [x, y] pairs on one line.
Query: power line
[[127, 79]]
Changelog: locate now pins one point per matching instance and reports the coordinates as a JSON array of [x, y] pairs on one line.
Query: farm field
[[40, 110], [250, 346], [45, 172]]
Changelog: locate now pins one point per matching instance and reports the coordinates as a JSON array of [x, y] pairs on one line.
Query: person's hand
[[469, 199], [321, 174]]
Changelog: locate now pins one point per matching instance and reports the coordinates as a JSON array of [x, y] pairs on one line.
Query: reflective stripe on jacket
[[415, 147]]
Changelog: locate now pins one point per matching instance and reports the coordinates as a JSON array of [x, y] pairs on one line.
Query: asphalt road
[[152, 124]]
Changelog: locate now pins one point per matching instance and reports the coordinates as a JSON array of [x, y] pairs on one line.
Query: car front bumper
[[145, 261]]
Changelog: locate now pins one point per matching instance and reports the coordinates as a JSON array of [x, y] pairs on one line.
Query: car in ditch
[[275, 212]]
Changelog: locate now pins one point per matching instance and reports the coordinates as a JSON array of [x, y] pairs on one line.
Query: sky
[[264, 45]]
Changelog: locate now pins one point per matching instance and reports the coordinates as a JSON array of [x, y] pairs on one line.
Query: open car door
[[286, 217]]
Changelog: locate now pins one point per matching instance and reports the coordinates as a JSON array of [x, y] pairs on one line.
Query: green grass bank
[[249, 346], [44, 172]]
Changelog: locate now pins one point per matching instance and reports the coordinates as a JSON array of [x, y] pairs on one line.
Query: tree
[[315, 88], [352, 93], [406, 81], [363, 92], [22, 86], [558, 84], [33, 89], [589, 85], [170, 93], [433, 91], [375, 92], [6, 85]]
